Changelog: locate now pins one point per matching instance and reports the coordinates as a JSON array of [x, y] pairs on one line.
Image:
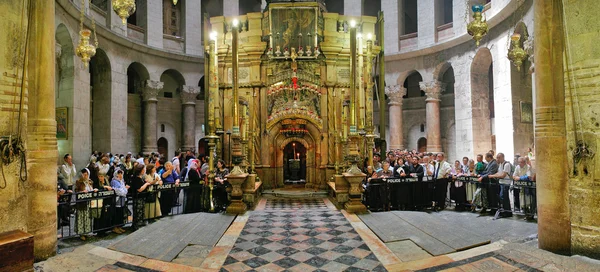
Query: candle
[[298, 155]]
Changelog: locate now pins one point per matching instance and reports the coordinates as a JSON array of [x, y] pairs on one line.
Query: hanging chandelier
[[478, 27], [124, 8], [85, 50], [516, 54], [174, 2]]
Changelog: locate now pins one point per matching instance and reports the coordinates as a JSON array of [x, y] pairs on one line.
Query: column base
[[354, 205], [237, 205]]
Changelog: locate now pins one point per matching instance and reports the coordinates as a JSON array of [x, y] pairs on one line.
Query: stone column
[[40, 134], [426, 24], [188, 101], [193, 27], [433, 90], [554, 225], [231, 8], [353, 8], [392, 25], [395, 93], [150, 97]]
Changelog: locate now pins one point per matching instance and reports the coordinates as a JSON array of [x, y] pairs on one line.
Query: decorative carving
[[151, 90], [58, 51], [189, 94], [395, 93], [433, 89]]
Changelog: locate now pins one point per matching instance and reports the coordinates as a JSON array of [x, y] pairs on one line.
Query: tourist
[[221, 184], [68, 171], [118, 184], [505, 179], [83, 222], [138, 185], [192, 175], [103, 166], [152, 205], [491, 190], [101, 207], [167, 198]]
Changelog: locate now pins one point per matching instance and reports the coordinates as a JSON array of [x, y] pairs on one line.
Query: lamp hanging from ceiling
[[124, 8], [478, 27], [174, 2], [516, 54], [84, 49]]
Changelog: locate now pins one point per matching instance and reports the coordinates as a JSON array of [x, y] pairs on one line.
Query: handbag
[[150, 195]]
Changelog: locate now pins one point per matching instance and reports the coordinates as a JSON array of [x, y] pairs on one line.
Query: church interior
[[299, 135]]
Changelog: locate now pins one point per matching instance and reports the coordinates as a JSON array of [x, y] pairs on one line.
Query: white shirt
[[428, 168], [103, 168], [504, 168], [525, 171], [444, 169], [68, 173]]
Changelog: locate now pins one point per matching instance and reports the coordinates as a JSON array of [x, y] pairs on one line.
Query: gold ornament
[[124, 8], [85, 50], [516, 54], [478, 27]]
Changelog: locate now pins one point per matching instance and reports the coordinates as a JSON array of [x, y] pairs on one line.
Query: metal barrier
[[464, 192], [96, 212]]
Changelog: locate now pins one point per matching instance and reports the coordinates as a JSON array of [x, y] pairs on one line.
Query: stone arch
[[312, 141], [481, 86], [137, 74], [294, 139], [411, 83], [440, 69], [101, 96], [64, 89], [522, 93], [173, 80]]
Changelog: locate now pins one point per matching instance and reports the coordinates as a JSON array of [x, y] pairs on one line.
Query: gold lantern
[[85, 50], [516, 54], [478, 27], [124, 8], [174, 2]]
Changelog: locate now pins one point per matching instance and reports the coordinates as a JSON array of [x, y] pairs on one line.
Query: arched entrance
[[294, 163], [422, 144], [203, 147], [163, 146], [482, 101], [100, 102]]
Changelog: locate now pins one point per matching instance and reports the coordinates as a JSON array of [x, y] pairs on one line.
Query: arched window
[[172, 18], [162, 127], [422, 127]]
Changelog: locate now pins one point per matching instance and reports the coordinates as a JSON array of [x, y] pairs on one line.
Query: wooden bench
[[16, 251]]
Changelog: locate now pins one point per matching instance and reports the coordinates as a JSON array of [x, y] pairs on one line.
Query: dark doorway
[[294, 156], [203, 147], [163, 147], [422, 144]]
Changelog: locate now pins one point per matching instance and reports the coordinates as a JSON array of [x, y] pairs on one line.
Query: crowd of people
[[489, 168], [139, 178]]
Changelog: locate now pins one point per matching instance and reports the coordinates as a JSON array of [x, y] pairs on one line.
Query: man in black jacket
[[492, 184]]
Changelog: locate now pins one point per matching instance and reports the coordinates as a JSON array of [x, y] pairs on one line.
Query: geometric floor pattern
[[315, 238]]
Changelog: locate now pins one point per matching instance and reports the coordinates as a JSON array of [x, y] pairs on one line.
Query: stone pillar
[[554, 225], [353, 8], [231, 8], [193, 27], [150, 18], [426, 24], [395, 93], [433, 90], [392, 25], [41, 130], [150, 97], [188, 100]]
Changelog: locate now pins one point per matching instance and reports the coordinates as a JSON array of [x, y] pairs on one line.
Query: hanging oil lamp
[[124, 8], [174, 2], [516, 54], [85, 50], [478, 27]]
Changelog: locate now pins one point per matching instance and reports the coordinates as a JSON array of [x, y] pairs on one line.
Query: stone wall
[[582, 110]]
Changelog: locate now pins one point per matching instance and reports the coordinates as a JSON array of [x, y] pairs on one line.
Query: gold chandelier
[[478, 27], [84, 49], [174, 2], [124, 8], [516, 54]]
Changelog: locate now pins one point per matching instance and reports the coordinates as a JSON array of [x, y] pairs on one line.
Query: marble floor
[[310, 234]]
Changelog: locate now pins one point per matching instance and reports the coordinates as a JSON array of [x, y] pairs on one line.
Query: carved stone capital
[[189, 94], [58, 51], [433, 89], [395, 93], [151, 90]]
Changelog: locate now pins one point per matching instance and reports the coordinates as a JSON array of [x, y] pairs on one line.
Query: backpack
[[512, 168]]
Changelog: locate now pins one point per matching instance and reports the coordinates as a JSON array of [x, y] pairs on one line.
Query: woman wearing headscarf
[[102, 207], [83, 223], [118, 184], [152, 206], [138, 185], [191, 174]]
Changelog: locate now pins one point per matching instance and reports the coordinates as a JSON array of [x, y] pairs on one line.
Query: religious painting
[[293, 27], [62, 123], [526, 112]]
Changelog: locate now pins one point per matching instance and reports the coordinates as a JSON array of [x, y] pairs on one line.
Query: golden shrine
[[293, 84]]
